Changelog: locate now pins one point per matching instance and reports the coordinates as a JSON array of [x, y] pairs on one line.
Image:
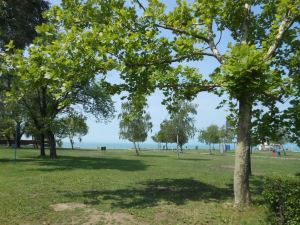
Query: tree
[[167, 133], [134, 126], [251, 71], [18, 122], [18, 19], [7, 128], [71, 126], [47, 84], [210, 136], [180, 127], [182, 121]]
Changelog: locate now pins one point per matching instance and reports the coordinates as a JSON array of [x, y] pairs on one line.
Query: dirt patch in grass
[[227, 167], [67, 206], [93, 216]]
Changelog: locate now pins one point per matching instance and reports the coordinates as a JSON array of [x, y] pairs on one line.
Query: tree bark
[[249, 151], [8, 141], [52, 145], [138, 146], [136, 150], [72, 143], [18, 135], [181, 149], [42, 145], [241, 170]]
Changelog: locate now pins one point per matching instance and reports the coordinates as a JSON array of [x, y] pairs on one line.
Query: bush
[[283, 197]]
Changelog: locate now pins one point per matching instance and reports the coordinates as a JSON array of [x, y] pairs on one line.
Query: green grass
[[156, 188]]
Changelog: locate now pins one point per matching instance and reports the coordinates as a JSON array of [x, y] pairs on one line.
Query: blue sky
[[207, 103]]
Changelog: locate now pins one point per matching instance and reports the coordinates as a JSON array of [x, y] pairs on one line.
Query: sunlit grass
[[156, 187]]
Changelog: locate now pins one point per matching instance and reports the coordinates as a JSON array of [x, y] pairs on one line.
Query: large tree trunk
[[42, 145], [52, 145], [249, 153], [241, 170]]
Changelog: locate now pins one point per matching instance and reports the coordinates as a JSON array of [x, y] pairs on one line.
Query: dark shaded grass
[[152, 192]]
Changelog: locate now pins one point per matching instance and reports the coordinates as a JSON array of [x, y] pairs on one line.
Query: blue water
[[152, 145], [126, 145]]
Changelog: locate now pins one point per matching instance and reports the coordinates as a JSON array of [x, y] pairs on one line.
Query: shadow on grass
[[194, 159], [256, 188], [297, 174], [73, 163], [152, 192], [154, 156], [22, 160]]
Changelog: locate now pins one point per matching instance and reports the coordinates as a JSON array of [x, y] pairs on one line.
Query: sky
[[207, 103]]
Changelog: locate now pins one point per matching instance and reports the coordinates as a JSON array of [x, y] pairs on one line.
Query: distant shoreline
[[151, 146]]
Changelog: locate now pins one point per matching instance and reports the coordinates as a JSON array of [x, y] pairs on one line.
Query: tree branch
[[140, 5], [213, 46], [188, 86], [245, 27], [166, 61], [208, 40], [284, 26], [174, 29], [178, 30]]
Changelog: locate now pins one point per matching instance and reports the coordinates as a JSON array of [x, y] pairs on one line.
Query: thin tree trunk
[[18, 135], [210, 149], [52, 145], [8, 141], [136, 150], [181, 149], [42, 145], [72, 143], [138, 146], [241, 175]]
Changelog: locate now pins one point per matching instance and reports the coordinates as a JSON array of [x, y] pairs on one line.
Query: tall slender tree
[[134, 126], [211, 136]]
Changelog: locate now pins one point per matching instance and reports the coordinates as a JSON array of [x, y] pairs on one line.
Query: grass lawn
[[117, 187]]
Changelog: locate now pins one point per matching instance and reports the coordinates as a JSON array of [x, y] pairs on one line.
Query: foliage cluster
[[134, 125], [180, 127], [283, 195], [214, 135]]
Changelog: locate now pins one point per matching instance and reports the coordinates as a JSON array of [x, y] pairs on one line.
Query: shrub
[[283, 197]]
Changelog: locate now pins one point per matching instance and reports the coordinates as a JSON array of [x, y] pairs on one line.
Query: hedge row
[[283, 197]]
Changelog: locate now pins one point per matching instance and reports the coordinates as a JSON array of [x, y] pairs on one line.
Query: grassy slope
[[156, 187]]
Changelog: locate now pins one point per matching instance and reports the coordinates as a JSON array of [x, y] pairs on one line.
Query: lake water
[[151, 145]]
